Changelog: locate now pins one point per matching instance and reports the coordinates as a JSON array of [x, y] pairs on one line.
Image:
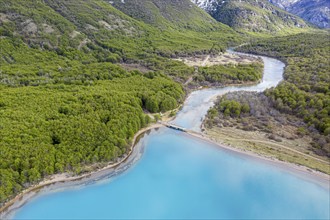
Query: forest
[[62, 111], [230, 73], [58, 128], [305, 92]]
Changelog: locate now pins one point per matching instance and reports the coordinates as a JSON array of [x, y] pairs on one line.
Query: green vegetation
[[248, 120], [63, 111], [165, 14], [95, 26], [305, 92], [230, 73], [25, 66], [227, 108], [233, 108], [56, 128]]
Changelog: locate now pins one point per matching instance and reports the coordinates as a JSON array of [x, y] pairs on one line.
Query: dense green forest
[[229, 108], [96, 26], [230, 73], [305, 92], [56, 128], [61, 112]]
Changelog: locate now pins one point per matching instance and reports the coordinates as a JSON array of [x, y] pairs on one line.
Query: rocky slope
[[315, 11], [252, 16]]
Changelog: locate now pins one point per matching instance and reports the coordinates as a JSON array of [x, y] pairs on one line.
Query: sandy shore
[[68, 180]]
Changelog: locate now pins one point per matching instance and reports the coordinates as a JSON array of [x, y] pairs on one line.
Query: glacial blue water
[[179, 177]]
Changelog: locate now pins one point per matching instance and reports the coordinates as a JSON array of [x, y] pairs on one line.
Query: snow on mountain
[[283, 3], [314, 11], [207, 5]]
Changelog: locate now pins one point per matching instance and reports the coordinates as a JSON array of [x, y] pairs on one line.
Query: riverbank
[[64, 178], [288, 150], [304, 172]]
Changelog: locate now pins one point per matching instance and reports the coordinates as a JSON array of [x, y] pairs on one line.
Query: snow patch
[[207, 5]]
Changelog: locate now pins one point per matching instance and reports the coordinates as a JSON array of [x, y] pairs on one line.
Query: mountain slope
[[168, 14], [314, 11], [179, 17], [89, 24], [252, 16]]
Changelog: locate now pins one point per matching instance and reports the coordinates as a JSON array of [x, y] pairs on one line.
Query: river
[[174, 176]]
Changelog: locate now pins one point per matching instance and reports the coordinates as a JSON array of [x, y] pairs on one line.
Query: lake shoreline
[[66, 177], [19, 200], [304, 172], [65, 181], [23, 197]]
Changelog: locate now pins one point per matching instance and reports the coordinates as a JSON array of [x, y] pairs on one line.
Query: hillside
[[96, 23], [253, 16], [178, 20], [169, 14], [94, 31], [314, 11]]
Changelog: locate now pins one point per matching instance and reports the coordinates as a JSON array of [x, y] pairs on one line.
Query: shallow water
[[182, 177], [198, 102]]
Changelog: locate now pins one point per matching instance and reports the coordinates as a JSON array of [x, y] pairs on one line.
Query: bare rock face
[[251, 15], [314, 11], [29, 27], [207, 5]]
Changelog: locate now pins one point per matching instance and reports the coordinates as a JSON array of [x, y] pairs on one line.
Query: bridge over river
[[179, 128]]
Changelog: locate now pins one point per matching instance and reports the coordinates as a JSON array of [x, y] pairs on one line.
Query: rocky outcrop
[[314, 11], [251, 15]]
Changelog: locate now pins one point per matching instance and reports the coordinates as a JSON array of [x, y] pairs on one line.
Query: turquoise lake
[[178, 177]]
